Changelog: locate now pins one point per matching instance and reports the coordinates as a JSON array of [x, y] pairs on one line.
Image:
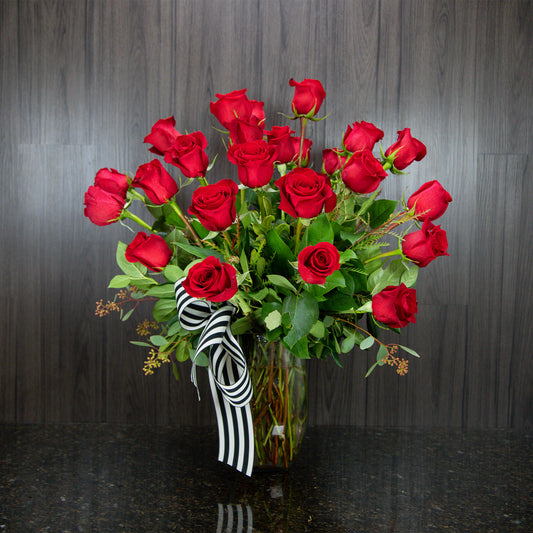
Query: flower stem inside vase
[[279, 405]]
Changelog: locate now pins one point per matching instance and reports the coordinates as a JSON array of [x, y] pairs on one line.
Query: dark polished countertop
[[107, 478]]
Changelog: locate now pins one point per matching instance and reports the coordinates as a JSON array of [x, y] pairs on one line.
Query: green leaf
[[273, 320], [182, 352], [241, 325], [173, 273], [164, 309], [300, 348], [347, 344], [337, 302], [368, 203], [318, 330], [200, 252], [283, 254], [174, 328], [119, 281], [381, 355], [410, 276], [125, 316], [141, 343], [281, 282], [304, 313], [320, 230], [161, 291], [409, 350], [380, 211], [370, 369], [367, 343], [365, 308], [158, 340]]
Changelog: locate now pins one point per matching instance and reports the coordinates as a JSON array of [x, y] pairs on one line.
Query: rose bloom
[[255, 162], [332, 160], [112, 181], [212, 280], [409, 149], [430, 201], [102, 207], [426, 244], [363, 173], [241, 131], [395, 306], [236, 104], [150, 250], [156, 182], [214, 205], [361, 135], [308, 97], [281, 138], [163, 136], [316, 263], [188, 154], [304, 193]]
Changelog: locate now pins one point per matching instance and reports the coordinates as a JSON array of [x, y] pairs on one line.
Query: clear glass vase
[[279, 404]]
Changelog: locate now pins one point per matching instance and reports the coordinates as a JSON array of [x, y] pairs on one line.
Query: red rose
[[409, 149], [430, 201], [395, 306], [361, 135], [236, 104], [112, 181], [241, 131], [188, 154], [332, 160], [214, 205], [308, 97], [363, 173], [280, 137], [426, 244], [152, 251], [212, 280], [316, 263], [255, 162], [304, 193], [102, 207], [162, 136], [156, 182]]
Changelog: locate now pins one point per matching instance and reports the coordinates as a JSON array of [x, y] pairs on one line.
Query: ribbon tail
[[235, 431]]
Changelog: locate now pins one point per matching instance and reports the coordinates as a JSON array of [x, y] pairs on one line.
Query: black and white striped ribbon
[[231, 386]]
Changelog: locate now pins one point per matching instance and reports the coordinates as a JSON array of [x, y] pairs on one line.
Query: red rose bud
[[426, 244], [308, 97], [188, 154], [212, 280], [234, 105], [408, 149], [255, 162], [163, 136], [156, 182], [316, 263], [241, 131], [332, 160], [395, 306], [152, 251], [102, 207], [361, 135], [363, 173], [304, 193], [430, 201], [214, 205], [112, 181]]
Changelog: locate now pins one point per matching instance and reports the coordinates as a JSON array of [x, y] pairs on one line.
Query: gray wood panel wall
[[81, 83]]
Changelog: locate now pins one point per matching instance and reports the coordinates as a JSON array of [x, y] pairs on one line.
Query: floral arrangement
[[303, 256]]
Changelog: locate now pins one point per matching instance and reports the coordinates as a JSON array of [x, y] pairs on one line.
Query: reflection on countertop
[[110, 478]]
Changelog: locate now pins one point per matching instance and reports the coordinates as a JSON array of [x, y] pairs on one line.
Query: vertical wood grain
[[81, 84]]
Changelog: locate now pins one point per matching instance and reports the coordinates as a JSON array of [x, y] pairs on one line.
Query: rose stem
[[135, 218], [303, 124], [174, 206]]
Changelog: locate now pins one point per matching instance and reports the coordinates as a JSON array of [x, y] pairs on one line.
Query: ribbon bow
[[231, 386]]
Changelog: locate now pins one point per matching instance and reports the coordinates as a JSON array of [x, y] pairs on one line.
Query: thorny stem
[[135, 218], [303, 124]]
